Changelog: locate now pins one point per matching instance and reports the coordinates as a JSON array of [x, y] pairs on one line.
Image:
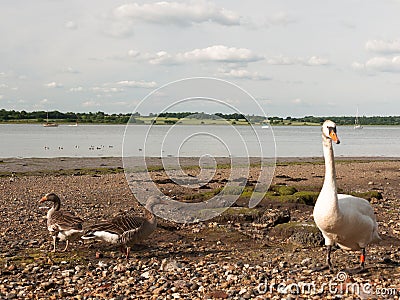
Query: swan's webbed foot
[[361, 268], [389, 261], [323, 268], [328, 265]]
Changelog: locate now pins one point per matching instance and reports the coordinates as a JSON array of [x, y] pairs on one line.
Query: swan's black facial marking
[[333, 135]]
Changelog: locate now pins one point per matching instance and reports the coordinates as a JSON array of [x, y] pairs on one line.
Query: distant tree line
[[202, 115], [102, 117], [40, 116], [343, 120]]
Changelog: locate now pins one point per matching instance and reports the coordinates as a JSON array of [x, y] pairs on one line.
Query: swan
[[344, 220]]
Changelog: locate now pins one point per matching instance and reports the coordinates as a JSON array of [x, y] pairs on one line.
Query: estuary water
[[23, 141]]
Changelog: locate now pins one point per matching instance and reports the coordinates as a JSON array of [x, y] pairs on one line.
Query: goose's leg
[[128, 250], [66, 245], [54, 243]]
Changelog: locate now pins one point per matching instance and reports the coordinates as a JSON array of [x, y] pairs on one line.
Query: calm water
[[107, 140]]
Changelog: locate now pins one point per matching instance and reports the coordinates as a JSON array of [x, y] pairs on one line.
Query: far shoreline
[[69, 165], [227, 123]]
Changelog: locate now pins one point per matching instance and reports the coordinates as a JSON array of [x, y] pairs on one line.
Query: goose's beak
[[43, 199], [334, 136]]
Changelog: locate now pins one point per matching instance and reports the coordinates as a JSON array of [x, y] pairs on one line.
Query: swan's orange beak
[[43, 199], [334, 136]]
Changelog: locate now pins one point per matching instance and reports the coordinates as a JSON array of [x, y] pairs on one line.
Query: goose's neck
[[150, 216], [329, 188], [56, 206]]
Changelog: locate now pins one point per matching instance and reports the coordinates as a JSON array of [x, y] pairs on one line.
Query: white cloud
[[242, 74], [71, 25], [316, 61], [281, 18], [281, 60], [44, 101], [183, 13], [140, 84], [297, 101], [53, 85], [383, 47], [310, 61], [91, 103], [162, 58], [384, 64], [70, 70], [358, 66], [379, 64], [120, 103], [107, 89], [76, 89], [220, 53], [133, 53], [118, 28], [217, 53], [1, 97]]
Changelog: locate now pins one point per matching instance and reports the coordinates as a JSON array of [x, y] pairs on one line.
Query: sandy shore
[[234, 257]]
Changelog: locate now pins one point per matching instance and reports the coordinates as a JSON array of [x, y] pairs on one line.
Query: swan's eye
[[332, 129]]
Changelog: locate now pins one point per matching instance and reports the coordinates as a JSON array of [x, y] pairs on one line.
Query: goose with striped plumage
[[62, 225], [126, 229]]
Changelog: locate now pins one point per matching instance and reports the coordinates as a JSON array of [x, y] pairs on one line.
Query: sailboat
[[357, 124], [265, 124], [49, 124]]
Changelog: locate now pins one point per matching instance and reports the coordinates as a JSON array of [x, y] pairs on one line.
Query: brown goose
[[126, 229], [62, 225]]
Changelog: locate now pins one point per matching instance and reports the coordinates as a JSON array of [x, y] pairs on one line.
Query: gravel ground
[[241, 257]]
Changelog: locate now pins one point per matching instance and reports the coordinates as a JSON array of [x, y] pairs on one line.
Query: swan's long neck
[[329, 188]]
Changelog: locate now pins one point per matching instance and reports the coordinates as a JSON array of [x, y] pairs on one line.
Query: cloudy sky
[[294, 57]]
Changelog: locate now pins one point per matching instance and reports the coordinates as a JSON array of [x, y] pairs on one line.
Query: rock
[[273, 217], [298, 233], [216, 295], [145, 275], [170, 265], [306, 261]]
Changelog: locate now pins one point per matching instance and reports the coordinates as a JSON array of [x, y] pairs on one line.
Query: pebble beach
[[263, 253]]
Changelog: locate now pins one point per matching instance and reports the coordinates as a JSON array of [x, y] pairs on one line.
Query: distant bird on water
[[126, 229], [62, 225]]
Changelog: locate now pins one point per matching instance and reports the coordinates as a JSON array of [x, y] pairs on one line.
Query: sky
[[295, 58]]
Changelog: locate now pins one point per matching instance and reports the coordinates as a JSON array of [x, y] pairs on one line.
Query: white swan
[[343, 219]]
